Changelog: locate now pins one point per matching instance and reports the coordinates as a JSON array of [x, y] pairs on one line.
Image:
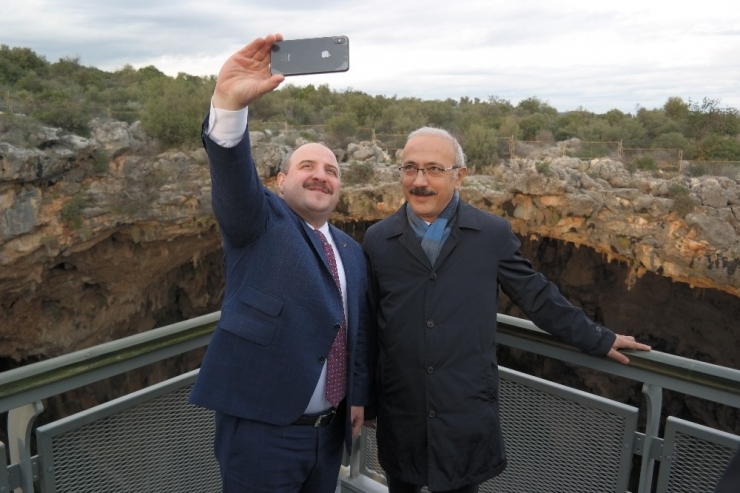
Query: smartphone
[[310, 56]]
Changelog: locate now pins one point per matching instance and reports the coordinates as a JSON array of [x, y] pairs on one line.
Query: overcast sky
[[594, 54]]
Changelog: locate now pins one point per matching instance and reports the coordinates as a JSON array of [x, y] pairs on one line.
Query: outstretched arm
[[625, 342], [245, 76]]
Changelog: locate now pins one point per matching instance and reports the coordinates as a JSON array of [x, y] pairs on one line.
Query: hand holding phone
[[310, 56]]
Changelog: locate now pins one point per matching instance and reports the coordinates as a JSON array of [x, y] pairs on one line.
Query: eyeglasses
[[409, 170]]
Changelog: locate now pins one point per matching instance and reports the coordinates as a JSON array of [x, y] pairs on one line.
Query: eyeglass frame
[[425, 171]]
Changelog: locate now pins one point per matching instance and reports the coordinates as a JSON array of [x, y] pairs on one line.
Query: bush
[[698, 169], [646, 163], [358, 173], [480, 146], [342, 127], [19, 131], [719, 148], [683, 203], [100, 161], [174, 109]]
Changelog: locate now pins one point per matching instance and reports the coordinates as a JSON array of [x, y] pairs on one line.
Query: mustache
[[422, 191], [319, 186]]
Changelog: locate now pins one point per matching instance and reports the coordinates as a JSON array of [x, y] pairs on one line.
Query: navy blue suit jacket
[[281, 308]]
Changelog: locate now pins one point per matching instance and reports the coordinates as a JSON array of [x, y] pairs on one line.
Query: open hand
[[245, 76], [625, 342]]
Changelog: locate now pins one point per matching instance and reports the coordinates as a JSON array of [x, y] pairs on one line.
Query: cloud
[[572, 53]]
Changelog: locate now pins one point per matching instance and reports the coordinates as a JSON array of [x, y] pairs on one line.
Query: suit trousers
[[263, 458]]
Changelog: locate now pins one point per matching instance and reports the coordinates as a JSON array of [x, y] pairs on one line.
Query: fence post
[[654, 399], [511, 146], [20, 422], [620, 150], [680, 161]]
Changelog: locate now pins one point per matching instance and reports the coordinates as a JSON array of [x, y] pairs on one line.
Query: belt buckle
[[319, 419]]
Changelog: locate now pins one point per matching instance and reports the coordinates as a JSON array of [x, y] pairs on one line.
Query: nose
[[420, 177], [319, 173]]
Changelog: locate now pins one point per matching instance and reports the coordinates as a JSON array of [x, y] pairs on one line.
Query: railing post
[[20, 422], [654, 399]]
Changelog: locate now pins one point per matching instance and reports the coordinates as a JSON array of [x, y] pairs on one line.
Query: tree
[[15, 63], [174, 108], [676, 109], [480, 146]]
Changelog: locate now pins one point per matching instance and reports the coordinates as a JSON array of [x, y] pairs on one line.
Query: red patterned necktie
[[337, 360]]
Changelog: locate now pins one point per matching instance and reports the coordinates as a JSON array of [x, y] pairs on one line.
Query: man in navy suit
[[287, 368]]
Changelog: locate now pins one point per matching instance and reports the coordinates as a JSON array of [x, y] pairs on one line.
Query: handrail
[[51, 377], [692, 377], [56, 375]]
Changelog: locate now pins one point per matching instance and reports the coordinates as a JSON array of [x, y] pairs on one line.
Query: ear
[[460, 176], [280, 181]]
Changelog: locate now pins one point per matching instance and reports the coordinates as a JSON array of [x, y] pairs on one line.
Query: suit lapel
[[313, 240]]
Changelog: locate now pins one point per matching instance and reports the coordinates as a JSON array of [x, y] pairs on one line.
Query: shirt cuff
[[226, 128]]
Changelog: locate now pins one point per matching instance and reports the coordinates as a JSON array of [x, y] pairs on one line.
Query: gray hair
[[438, 132], [285, 163]]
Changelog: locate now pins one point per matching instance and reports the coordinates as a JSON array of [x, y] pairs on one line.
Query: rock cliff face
[[95, 249]]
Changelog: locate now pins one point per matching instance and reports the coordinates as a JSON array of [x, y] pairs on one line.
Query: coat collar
[[466, 218]]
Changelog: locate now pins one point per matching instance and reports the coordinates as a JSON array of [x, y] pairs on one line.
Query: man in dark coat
[[437, 265]]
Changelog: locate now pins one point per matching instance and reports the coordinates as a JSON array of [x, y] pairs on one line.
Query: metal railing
[[153, 440]]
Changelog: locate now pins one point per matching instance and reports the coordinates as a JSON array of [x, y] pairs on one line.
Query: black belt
[[317, 421]]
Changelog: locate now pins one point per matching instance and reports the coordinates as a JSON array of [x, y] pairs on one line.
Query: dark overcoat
[[437, 375]]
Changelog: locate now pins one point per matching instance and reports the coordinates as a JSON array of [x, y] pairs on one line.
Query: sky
[[594, 55]]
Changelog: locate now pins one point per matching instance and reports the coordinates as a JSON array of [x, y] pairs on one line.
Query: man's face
[[311, 185], [428, 195]]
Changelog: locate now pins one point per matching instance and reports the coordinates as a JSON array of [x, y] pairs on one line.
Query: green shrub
[[480, 146], [646, 163], [698, 169], [720, 148], [100, 161], [307, 135], [542, 167], [358, 173], [683, 203]]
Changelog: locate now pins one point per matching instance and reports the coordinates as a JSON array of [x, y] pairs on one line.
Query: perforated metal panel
[[162, 444], [557, 439], [694, 457], [561, 439], [370, 465]]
